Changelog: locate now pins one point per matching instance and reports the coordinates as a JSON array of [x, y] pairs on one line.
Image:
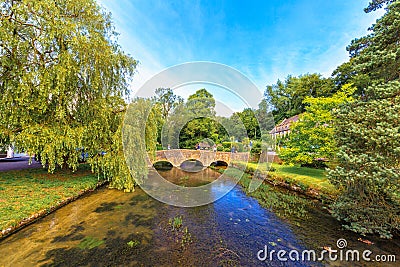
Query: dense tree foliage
[[63, 80], [195, 121], [167, 100], [312, 137], [192, 122], [164, 104], [367, 131], [378, 54], [201, 104], [139, 137], [265, 117], [368, 136], [250, 122], [376, 4], [287, 97], [234, 126], [199, 130]]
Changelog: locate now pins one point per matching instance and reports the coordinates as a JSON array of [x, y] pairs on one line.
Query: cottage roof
[[286, 123], [204, 144]]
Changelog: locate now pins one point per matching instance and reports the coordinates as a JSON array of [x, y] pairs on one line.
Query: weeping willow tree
[[63, 81], [125, 162]]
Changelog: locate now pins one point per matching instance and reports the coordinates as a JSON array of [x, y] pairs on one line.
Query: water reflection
[[189, 179], [192, 166]]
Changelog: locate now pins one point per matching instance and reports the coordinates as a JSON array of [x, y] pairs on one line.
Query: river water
[[112, 228]]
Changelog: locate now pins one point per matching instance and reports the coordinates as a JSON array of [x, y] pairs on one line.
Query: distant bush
[[256, 150], [272, 169], [220, 148], [228, 145], [316, 164], [159, 147]]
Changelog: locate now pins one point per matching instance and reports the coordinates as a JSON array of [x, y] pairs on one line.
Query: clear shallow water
[[95, 230]]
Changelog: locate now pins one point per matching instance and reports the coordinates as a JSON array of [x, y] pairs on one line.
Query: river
[[112, 228]]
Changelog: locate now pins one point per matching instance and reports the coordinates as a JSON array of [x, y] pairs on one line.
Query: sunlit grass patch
[[24, 193], [302, 176]]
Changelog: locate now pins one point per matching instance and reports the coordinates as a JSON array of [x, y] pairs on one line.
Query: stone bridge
[[177, 156]]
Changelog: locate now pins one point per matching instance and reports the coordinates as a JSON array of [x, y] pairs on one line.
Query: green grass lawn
[[307, 177], [24, 193]]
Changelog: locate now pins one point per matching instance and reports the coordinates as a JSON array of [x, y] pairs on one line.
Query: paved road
[[18, 164]]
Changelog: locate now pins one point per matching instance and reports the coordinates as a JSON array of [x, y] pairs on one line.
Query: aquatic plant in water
[[186, 237], [182, 235], [90, 242], [175, 222], [133, 243]]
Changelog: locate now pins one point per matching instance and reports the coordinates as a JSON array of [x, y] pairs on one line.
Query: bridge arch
[[163, 165], [219, 163], [192, 165]]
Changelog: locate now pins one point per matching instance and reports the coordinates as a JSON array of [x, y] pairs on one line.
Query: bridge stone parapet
[[177, 156]]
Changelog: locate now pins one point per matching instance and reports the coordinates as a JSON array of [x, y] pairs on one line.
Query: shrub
[[256, 150], [228, 145]]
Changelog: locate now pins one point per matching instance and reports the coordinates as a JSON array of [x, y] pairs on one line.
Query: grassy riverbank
[[24, 194], [313, 182]]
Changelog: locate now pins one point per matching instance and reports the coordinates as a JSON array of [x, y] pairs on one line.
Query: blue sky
[[265, 40]]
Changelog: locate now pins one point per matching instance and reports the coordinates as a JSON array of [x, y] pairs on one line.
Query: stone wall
[[206, 157]]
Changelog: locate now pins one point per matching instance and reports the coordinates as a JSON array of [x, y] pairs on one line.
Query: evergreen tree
[[368, 175]]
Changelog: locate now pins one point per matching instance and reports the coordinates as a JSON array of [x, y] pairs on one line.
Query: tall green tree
[[312, 137], [167, 100], [197, 130], [63, 79], [287, 97], [265, 117], [193, 121], [201, 104], [378, 54], [232, 125], [164, 103], [367, 131], [250, 122], [200, 111], [368, 175]]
